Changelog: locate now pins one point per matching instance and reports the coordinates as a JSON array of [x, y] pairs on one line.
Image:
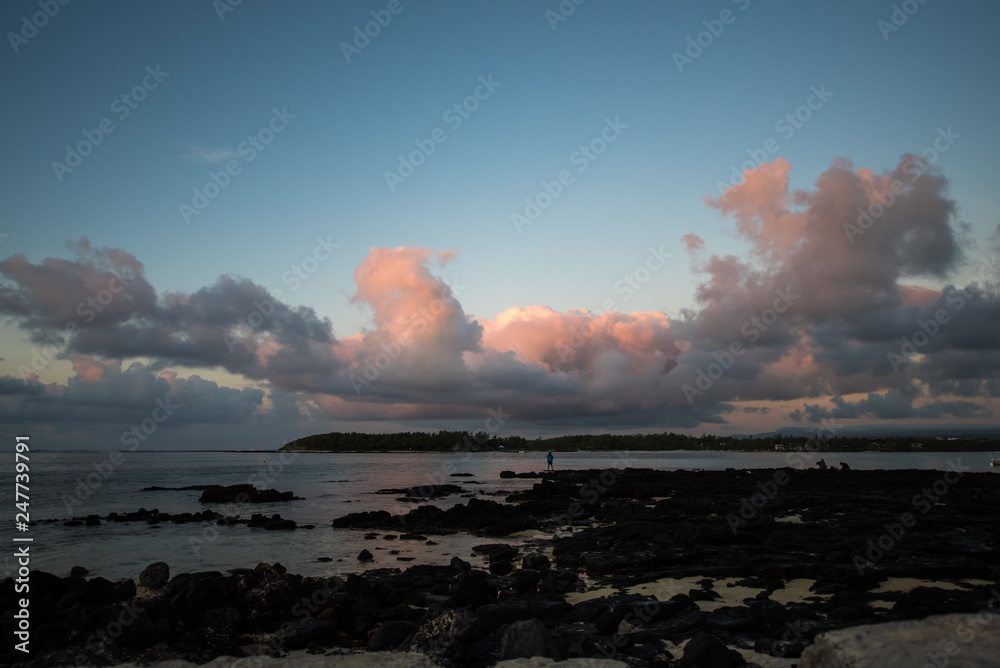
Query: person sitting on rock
[[821, 464], [844, 466]]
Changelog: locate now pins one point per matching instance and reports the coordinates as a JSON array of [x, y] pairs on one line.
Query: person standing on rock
[[549, 459]]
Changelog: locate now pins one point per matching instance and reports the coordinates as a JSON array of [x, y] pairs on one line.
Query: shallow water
[[68, 484]]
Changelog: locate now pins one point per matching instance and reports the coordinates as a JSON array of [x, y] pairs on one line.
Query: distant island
[[445, 441]]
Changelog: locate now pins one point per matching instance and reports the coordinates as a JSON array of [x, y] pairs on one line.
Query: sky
[[228, 225]]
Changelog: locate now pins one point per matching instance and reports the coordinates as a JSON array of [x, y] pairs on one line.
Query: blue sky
[[323, 175]]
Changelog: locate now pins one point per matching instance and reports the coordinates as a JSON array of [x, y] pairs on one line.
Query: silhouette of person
[[844, 466], [821, 464], [549, 459]]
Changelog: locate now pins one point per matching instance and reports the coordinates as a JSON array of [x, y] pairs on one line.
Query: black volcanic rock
[[706, 650], [632, 527], [244, 494], [155, 575]]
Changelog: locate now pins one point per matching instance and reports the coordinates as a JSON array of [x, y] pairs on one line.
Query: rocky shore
[[649, 568]]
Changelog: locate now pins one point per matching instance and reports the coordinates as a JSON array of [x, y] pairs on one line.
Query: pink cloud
[[90, 370], [693, 243]]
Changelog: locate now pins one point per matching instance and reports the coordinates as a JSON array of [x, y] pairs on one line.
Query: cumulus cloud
[[101, 304], [845, 253], [103, 392], [825, 303], [892, 405]]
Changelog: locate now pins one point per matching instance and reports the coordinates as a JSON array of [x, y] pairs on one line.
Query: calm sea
[[68, 484]]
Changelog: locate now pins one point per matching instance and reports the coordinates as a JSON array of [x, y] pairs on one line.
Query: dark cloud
[[893, 405], [825, 303], [102, 392]]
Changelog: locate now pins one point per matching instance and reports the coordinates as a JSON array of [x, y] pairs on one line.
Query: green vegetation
[[443, 441]]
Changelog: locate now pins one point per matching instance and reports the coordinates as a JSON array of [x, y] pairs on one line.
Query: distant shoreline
[[463, 441]]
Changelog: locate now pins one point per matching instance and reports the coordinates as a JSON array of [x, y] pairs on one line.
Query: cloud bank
[[830, 300]]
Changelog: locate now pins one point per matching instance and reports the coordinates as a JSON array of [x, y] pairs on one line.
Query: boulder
[[535, 561], [473, 589], [526, 639], [704, 649], [303, 632], [391, 635], [155, 575], [501, 567], [930, 641]]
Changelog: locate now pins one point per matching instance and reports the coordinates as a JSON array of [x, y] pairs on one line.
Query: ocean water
[[76, 484]]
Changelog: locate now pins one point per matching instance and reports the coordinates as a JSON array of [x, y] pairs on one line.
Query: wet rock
[[496, 551], [459, 565], [391, 635], [730, 620], [155, 575], [93, 521], [244, 494], [425, 492], [367, 520], [302, 632], [535, 561], [473, 589], [78, 571], [526, 639], [365, 555], [277, 523], [704, 595], [501, 567], [704, 649], [525, 581]]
